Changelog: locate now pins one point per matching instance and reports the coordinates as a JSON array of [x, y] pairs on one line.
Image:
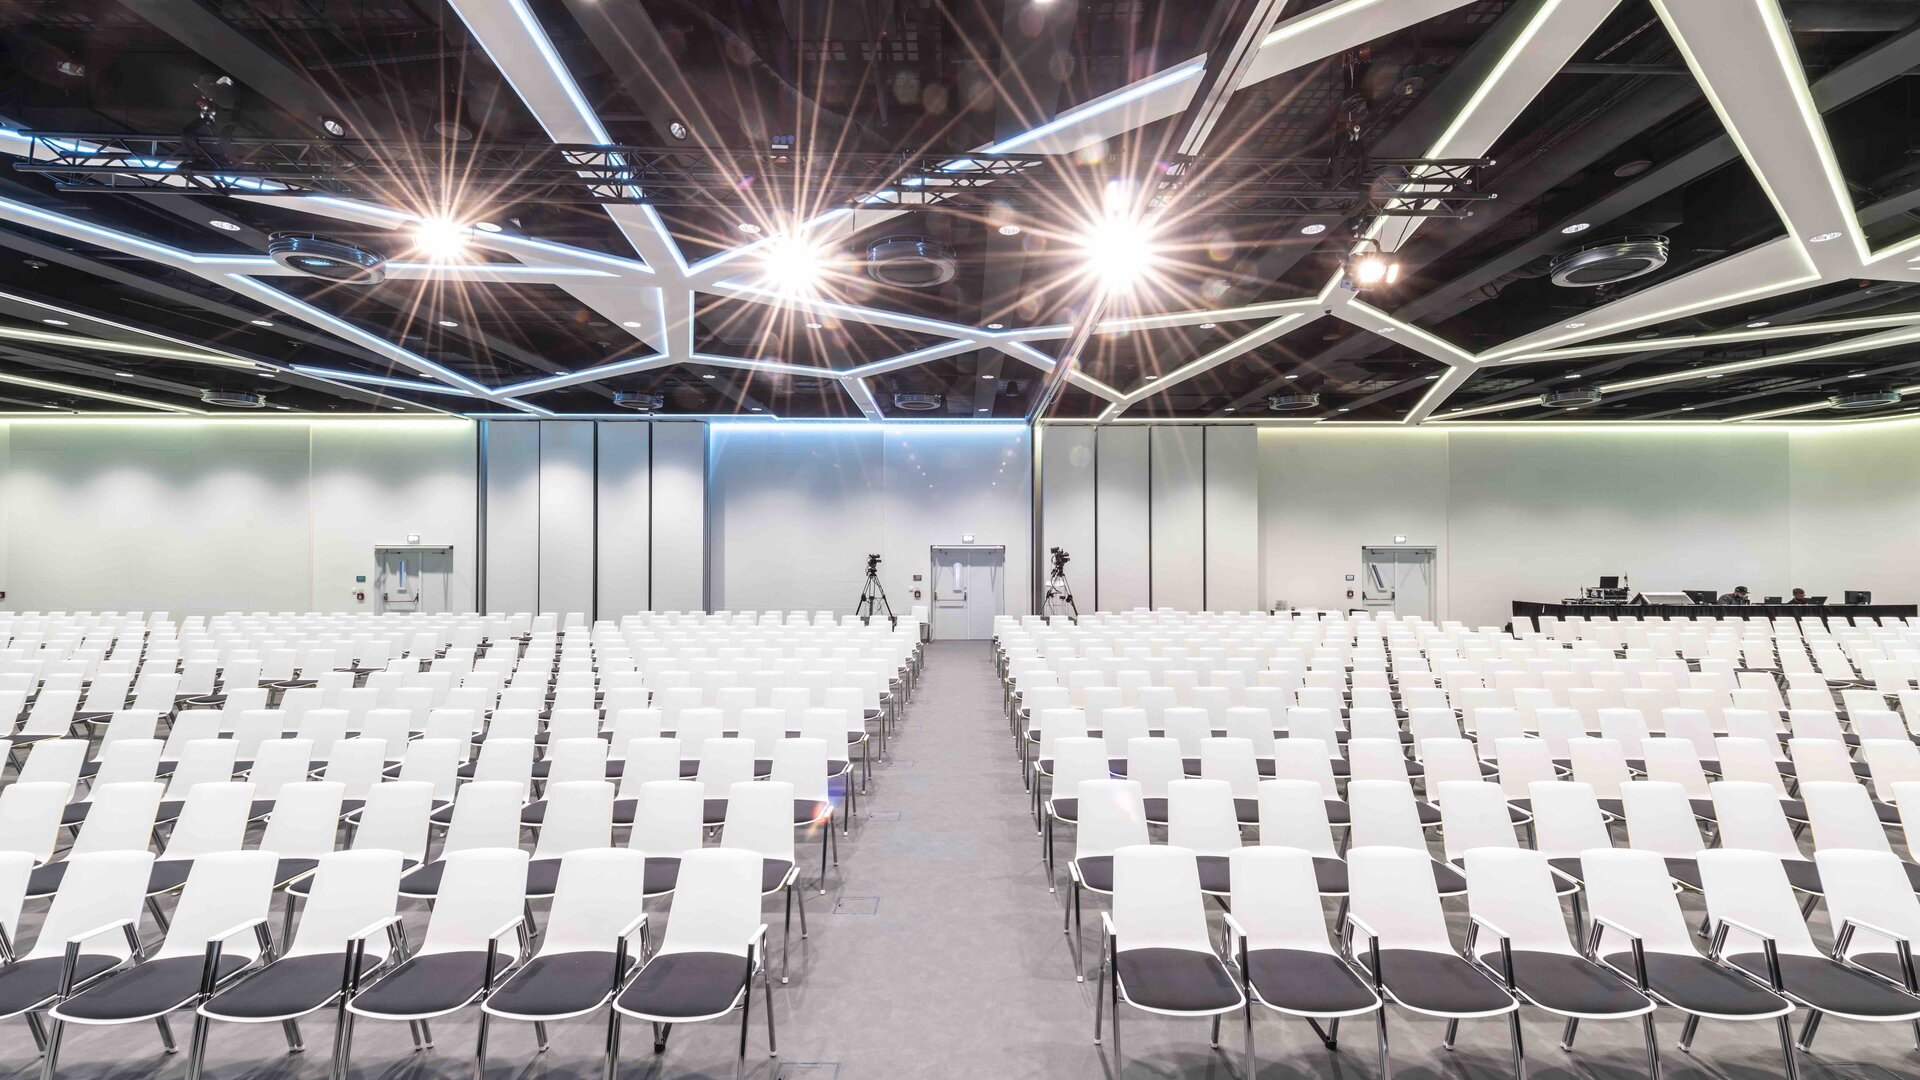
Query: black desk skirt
[[1531, 611]]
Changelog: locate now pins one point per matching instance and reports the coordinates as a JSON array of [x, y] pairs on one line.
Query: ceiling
[[629, 180]]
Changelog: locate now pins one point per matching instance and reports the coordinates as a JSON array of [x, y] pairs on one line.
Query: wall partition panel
[[625, 504], [1233, 518], [1068, 464], [679, 516], [512, 493], [1124, 518], [1178, 517], [567, 531]]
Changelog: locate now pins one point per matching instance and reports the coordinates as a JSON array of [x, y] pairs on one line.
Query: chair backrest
[[576, 759], [395, 818], [1296, 758], [1751, 818], [1275, 898], [481, 890], [121, 818], [1474, 815], [667, 817], [598, 895], [1200, 817], [99, 889], [1075, 760], [1843, 817], [60, 760], [1819, 760], [1514, 890], [1600, 764], [16, 875], [1293, 813], [1566, 819], [305, 820], [1631, 888], [1660, 819], [802, 765], [1112, 816], [716, 903], [509, 760], [1751, 888], [224, 889], [1233, 761], [579, 816], [1153, 764], [30, 819], [1868, 887], [1156, 900], [486, 814], [1675, 761], [1384, 814], [1393, 892], [760, 819], [435, 761]]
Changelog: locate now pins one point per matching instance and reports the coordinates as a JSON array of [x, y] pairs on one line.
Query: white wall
[[796, 509], [200, 517]]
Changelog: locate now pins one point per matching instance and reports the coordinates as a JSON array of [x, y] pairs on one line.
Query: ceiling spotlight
[[1150, 378], [1119, 251], [1576, 227], [1686, 408], [1368, 266], [1857, 375], [55, 322], [813, 326], [996, 326], [1823, 237], [333, 126], [756, 408], [1314, 229], [678, 130], [452, 129], [1009, 230], [631, 325], [486, 226], [1293, 376], [792, 263], [224, 225], [1343, 408], [1227, 409], [1430, 378], [980, 410], [72, 69], [123, 374], [749, 228], [263, 322], [1632, 168], [989, 378], [1757, 324], [1208, 325], [707, 375], [1575, 325], [448, 323], [440, 238], [265, 374]]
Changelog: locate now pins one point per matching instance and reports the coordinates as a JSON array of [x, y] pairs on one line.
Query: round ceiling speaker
[[917, 402], [1576, 398], [1866, 399], [911, 262], [1609, 261], [328, 258], [1293, 402], [638, 402], [234, 399]]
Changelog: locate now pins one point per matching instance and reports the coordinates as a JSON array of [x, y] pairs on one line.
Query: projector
[[1866, 399], [917, 402], [1570, 399], [327, 258], [1293, 402], [1609, 261], [911, 262], [234, 399], [638, 402]]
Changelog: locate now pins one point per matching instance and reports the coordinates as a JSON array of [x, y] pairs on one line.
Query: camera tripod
[[1058, 599], [873, 599]]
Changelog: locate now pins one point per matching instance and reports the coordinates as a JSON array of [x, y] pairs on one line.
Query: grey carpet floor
[[936, 951]]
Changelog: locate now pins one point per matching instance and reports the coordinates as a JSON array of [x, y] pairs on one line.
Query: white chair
[[759, 818], [91, 929], [1113, 815], [121, 820]]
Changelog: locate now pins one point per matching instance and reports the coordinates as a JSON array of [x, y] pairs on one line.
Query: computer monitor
[[1769, 599], [1703, 596], [1859, 596], [1817, 600], [1610, 582]]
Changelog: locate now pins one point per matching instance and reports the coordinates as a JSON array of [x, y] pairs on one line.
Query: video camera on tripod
[[873, 596], [1058, 599]]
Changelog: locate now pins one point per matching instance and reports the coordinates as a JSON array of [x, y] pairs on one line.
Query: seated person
[[1800, 597], [1737, 596]]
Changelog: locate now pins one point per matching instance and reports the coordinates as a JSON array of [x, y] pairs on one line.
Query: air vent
[[328, 258], [1293, 402], [1868, 399], [911, 262], [639, 402], [1609, 261], [1570, 399], [917, 402], [234, 399]]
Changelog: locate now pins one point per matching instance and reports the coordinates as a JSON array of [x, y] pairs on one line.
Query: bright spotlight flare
[[1368, 266], [792, 264], [442, 239], [1120, 249]]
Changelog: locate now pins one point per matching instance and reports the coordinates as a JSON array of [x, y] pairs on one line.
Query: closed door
[[1398, 579], [969, 589]]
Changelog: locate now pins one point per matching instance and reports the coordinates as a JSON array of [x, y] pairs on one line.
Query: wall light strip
[[1728, 337], [109, 345], [418, 385], [1887, 340], [103, 395], [1173, 76]]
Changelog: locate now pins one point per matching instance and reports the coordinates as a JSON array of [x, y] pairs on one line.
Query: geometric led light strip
[[104, 395]]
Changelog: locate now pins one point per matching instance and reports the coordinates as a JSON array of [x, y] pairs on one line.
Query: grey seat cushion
[[149, 989], [287, 987], [1697, 984], [30, 982], [426, 985], [559, 984], [1436, 982], [1568, 984], [686, 984], [1178, 980], [1303, 981], [1830, 986]]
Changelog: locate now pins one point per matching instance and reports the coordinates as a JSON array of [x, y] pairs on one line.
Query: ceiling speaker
[[328, 258], [1609, 261], [1578, 397], [638, 402], [1293, 402], [917, 402], [234, 399], [1866, 399], [911, 262]]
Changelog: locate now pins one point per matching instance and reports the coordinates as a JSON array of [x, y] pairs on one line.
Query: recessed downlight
[[1208, 325], [1575, 325], [814, 326], [749, 228], [224, 225], [1757, 324], [1576, 227], [1009, 230], [56, 322], [1821, 238], [1314, 229], [987, 377], [448, 323], [631, 325], [996, 326], [486, 226], [263, 322], [707, 375]]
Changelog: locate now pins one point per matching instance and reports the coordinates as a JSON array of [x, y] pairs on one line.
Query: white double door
[[969, 589], [1398, 579]]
